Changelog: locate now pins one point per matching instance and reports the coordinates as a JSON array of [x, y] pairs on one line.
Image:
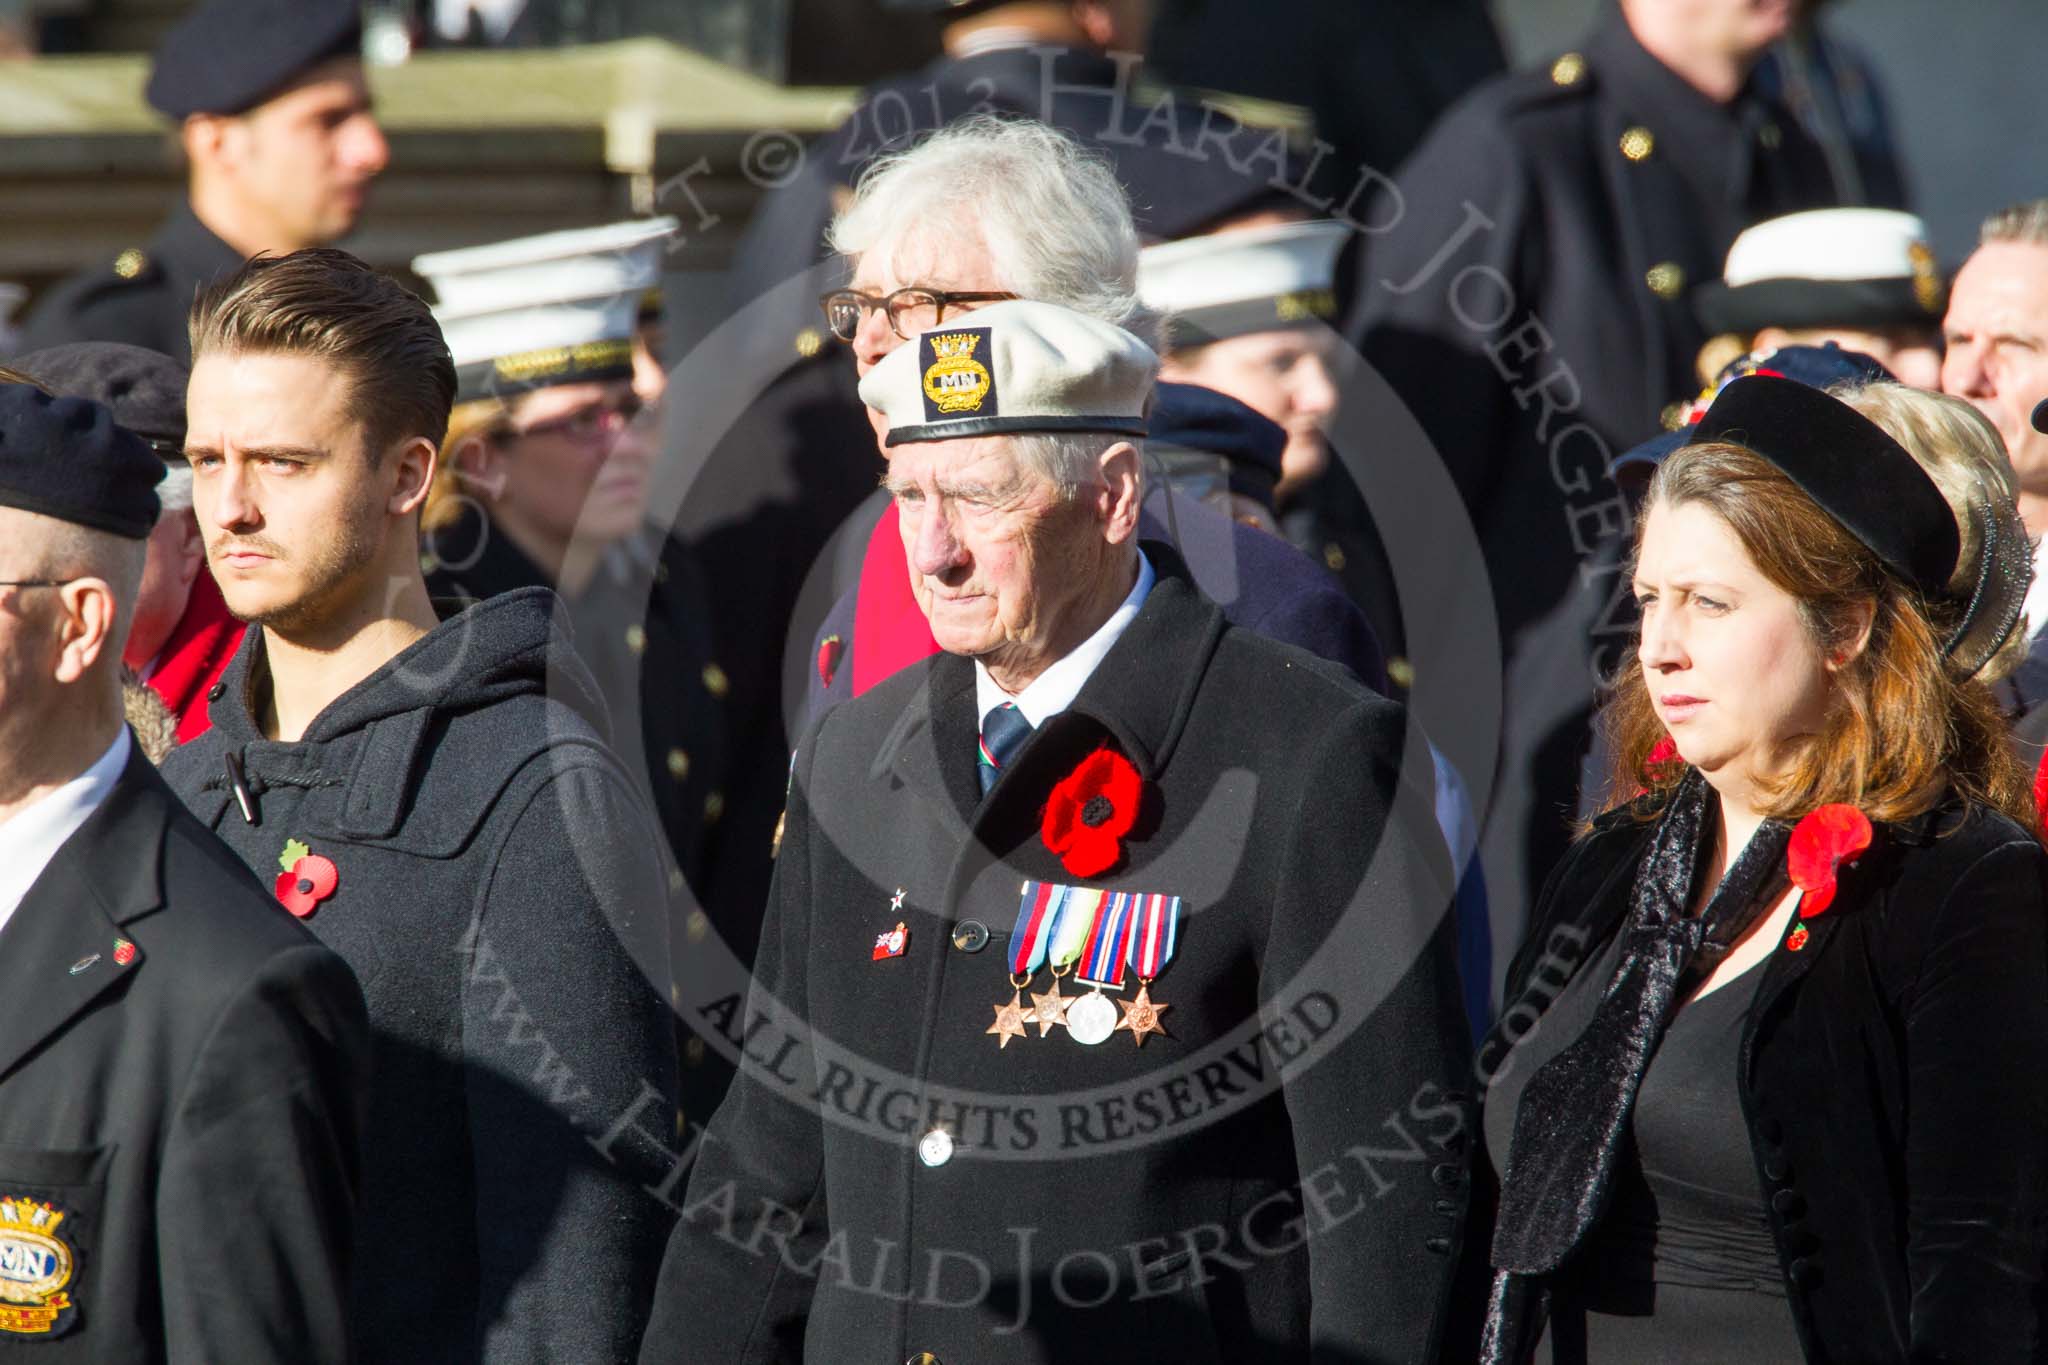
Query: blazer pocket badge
[[36, 1268]]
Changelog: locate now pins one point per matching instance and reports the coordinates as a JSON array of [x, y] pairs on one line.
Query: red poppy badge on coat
[[307, 878], [1090, 812], [1828, 837]]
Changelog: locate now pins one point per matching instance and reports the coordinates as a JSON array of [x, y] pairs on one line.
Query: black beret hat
[[1848, 465], [144, 389], [66, 458], [231, 55]]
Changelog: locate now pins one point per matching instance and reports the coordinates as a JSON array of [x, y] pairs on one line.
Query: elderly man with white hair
[[1191, 874]]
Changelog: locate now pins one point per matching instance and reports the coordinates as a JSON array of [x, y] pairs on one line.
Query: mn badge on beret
[[36, 1265], [955, 382]]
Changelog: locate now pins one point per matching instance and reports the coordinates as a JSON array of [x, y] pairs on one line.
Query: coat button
[[1637, 143], [1446, 1175], [1666, 279], [216, 692], [935, 1148], [970, 936], [1776, 1167], [922, 1358], [1803, 1270], [678, 764], [1787, 1202], [1439, 1245], [636, 639]]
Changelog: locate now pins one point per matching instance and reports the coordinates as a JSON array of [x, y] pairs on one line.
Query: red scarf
[[195, 656], [890, 633]]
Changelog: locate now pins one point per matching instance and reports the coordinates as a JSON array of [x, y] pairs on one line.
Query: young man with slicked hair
[[437, 800]]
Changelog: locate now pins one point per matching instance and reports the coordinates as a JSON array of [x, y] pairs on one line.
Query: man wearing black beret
[[273, 119], [181, 1065], [182, 634]]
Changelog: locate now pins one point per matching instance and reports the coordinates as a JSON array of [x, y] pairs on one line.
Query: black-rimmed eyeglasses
[[910, 310]]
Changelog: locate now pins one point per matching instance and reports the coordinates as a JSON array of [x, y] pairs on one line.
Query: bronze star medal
[[1141, 1015], [1049, 1009], [1010, 1021]]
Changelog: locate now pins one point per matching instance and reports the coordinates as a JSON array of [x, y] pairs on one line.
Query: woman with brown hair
[[1768, 1083]]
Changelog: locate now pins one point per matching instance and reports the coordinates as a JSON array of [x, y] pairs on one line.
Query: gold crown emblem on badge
[[35, 1265], [956, 381]]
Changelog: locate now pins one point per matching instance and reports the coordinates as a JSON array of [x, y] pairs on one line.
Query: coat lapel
[[62, 948]]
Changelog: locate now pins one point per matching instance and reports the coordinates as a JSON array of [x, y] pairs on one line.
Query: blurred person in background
[[1525, 299], [543, 482], [280, 146], [1864, 279], [182, 635], [1996, 333]]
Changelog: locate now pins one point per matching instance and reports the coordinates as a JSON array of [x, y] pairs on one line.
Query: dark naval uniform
[[141, 297], [641, 626], [1529, 309], [183, 1072], [1280, 1172]]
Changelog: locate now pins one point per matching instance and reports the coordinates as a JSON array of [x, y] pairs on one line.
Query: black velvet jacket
[[1891, 1078]]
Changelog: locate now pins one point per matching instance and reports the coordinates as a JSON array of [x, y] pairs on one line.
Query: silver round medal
[[1091, 1019]]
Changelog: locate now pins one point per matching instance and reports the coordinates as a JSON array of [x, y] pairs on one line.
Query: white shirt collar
[[2037, 591], [1054, 690], [31, 837]]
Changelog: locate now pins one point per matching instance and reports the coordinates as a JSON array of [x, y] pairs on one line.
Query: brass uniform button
[[926, 1357], [129, 263], [1666, 280], [714, 806], [809, 342], [675, 879], [1400, 672], [1771, 136], [1333, 555], [693, 1052], [636, 639], [678, 764], [715, 681], [1569, 69], [696, 926], [1637, 143], [661, 573]]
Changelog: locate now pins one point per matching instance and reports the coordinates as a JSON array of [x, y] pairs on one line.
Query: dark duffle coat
[[1889, 1072], [1279, 1179], [182, 1073], [497, 877]]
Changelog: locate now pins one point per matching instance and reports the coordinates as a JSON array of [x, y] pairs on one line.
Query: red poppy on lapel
[[1090, 812], [829, 653], [1821, 843], [307, 879]]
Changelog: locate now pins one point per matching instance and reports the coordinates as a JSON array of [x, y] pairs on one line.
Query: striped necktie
[[1003, 732]]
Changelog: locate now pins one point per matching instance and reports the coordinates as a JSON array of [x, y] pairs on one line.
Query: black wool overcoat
[[1888, 1072], [498, 890], [1277, 1179], [183, 1070]]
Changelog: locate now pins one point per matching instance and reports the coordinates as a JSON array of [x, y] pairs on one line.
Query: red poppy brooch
[[307, 878], [1828, 837], [1090, 812]]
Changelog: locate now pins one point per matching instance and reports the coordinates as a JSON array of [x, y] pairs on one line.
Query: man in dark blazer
[[1229, 1128], [181, 1065]]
